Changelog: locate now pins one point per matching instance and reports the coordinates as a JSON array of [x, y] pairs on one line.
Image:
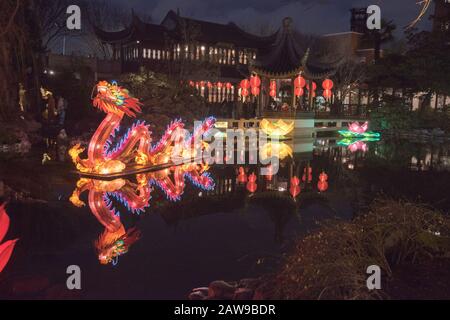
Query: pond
[[184, 227]]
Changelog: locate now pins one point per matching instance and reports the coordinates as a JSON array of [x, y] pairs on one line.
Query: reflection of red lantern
[[273, 93], [299, 82], [295, 181], [244, 92], [191, 83], [327, 94], [252, 178], [273, 85], [327, 84], [252, 186], [294, 190], [228, 85], [245, 84], [299, 92], [209, 85], [322, 186], [219, 85], [323, 177], [255, 91], [255, 81]]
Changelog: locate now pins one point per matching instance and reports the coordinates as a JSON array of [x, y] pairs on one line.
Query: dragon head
[[112, 98], [111, 245]]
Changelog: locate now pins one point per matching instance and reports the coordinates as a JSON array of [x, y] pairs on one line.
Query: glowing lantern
[[309, 175], [327, 84], [245, 84], [228, 85], [314, 86], [322, 186], [299, 82], [242, 177], [294, 190], [295, 181], [255, 81], [255, 91], [323, 177], [327, 94], [252, 186], [244, 92], [273, 93], [273, 85], [252, 178], [299, 92]]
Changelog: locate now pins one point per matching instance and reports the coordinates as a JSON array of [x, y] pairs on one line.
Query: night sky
[[310, 16]]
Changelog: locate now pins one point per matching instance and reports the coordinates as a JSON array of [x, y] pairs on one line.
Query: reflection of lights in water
[[281, 189]]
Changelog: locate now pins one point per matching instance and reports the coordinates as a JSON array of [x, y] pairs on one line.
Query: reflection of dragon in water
[[105, 196], [135, 145]]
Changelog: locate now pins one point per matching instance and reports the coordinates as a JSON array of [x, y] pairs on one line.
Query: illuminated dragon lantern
[[107, 199], [135, 146]]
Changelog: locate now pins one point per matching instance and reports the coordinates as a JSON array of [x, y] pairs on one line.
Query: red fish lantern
[[299, 82], [327, 84]]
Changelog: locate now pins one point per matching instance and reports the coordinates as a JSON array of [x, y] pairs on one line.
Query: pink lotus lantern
[[357, 128]]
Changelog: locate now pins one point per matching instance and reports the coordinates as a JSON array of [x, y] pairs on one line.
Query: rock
[[221, 290], [243, 294]]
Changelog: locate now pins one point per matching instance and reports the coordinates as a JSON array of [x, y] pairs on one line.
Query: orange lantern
[[299, 82], [299, 92], [323, 177], [251, 186], [294, 190], [327, 84], [245, 84], [327, 94], [244, 92], [255, 91], [255, 81], [322, 186]]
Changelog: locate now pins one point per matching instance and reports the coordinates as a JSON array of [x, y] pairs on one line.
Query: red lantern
[[327, 94], [244, 92], [294, 190], [228, 85], [255, 91], [322, 186], [323, 177], [273, 93], [299, 82], [252, 178], [251, 186], [242, 177], [314, 86], [255, 81], [299, 92], [295, 181], [245, 84], [327, 84], [273, 85]]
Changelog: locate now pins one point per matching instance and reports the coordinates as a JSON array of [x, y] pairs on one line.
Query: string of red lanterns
[[273, 88], [327, 85], [299, 84], [322, 185]]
